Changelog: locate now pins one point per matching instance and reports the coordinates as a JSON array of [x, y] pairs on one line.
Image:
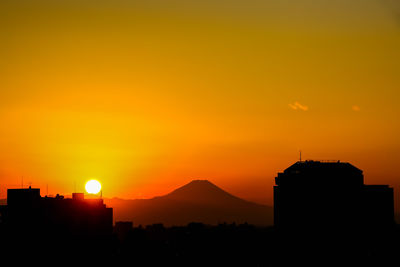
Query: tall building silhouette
[[319, 194]]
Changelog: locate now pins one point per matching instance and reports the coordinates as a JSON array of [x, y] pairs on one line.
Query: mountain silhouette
[[197, 201], [202, 192]]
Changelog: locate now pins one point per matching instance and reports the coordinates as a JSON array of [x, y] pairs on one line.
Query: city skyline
[[309, 194]]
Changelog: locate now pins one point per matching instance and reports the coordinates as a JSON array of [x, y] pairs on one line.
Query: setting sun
[[93, 187]]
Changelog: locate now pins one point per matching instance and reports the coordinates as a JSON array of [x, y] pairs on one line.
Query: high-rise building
[[319, 194]]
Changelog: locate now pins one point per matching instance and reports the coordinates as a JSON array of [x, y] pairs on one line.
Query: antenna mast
[[300, 155]]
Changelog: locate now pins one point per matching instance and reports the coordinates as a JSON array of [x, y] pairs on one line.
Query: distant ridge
[[197, 201]]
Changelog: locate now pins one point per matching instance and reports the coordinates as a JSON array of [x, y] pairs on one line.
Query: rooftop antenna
[[300, 155]]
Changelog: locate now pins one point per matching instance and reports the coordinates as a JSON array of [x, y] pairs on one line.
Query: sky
[[146, 96]]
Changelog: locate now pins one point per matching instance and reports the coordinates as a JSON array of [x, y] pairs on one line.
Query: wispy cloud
[[297, 106]]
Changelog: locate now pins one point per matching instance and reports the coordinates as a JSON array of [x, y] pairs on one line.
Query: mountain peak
[[199, 182], [200, 191]]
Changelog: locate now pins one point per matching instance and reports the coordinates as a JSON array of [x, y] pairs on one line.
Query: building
[[122, 229], [27, 211], [320, 194]]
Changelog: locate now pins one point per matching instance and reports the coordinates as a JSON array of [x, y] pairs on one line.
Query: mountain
[[197, 201]]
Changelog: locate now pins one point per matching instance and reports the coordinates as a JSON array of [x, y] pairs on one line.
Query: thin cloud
[[297, 106]]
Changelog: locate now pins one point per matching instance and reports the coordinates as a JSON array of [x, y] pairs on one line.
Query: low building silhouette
[[122, 229], [27, 211], [319, 194]]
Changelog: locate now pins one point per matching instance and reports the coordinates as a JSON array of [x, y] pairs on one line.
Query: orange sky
[[148, 96]]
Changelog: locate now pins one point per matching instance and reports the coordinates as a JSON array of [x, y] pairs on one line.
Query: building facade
[[319, 194]]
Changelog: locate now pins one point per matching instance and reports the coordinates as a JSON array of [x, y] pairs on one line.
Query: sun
[[93, 187]]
